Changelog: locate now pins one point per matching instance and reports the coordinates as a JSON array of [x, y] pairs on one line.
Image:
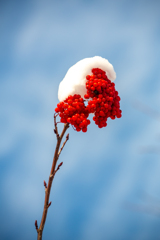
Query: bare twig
[[52, 174], [58, 167], [49, 204], [55, 124], [67, 137]]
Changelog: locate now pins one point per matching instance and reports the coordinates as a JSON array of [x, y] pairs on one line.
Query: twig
[[59, 167], [52, 174], [55, 124], [67, 137]]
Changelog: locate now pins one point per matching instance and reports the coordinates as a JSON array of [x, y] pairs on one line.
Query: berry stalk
[[51, 176]]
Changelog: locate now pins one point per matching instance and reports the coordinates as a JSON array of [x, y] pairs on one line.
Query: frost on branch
[[88, 88]]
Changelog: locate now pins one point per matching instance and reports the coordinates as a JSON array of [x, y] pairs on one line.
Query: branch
[[55, 124], [67, 137], [52, 174], [58, 168]]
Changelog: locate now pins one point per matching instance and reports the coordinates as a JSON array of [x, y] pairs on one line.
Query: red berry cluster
[[73, 110], [102, 101]]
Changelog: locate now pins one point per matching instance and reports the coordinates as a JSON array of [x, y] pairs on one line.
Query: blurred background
[[109, 184]]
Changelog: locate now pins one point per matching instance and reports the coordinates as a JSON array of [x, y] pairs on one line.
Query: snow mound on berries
[[75, 80]]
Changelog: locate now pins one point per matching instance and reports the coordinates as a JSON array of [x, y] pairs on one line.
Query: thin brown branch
[[67, 137], [55, 125], [52, 174], [58, 167]]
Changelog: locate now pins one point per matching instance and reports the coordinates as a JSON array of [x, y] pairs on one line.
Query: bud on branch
[[36, 225]]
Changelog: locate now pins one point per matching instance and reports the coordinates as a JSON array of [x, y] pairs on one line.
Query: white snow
[[75, 79]]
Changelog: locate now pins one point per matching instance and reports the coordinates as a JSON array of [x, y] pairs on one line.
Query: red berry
[[84, 129], [69, 120], [57, 110]]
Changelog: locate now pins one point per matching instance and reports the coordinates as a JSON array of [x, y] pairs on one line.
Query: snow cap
[[74, 81]]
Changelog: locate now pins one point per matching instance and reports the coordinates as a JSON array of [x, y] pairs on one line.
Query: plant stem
[[52, 173]]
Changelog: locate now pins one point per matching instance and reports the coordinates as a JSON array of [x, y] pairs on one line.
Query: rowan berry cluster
[[73, 110], [102, 100]]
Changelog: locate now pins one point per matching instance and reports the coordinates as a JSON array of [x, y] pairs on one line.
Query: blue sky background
[[109, 184]]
